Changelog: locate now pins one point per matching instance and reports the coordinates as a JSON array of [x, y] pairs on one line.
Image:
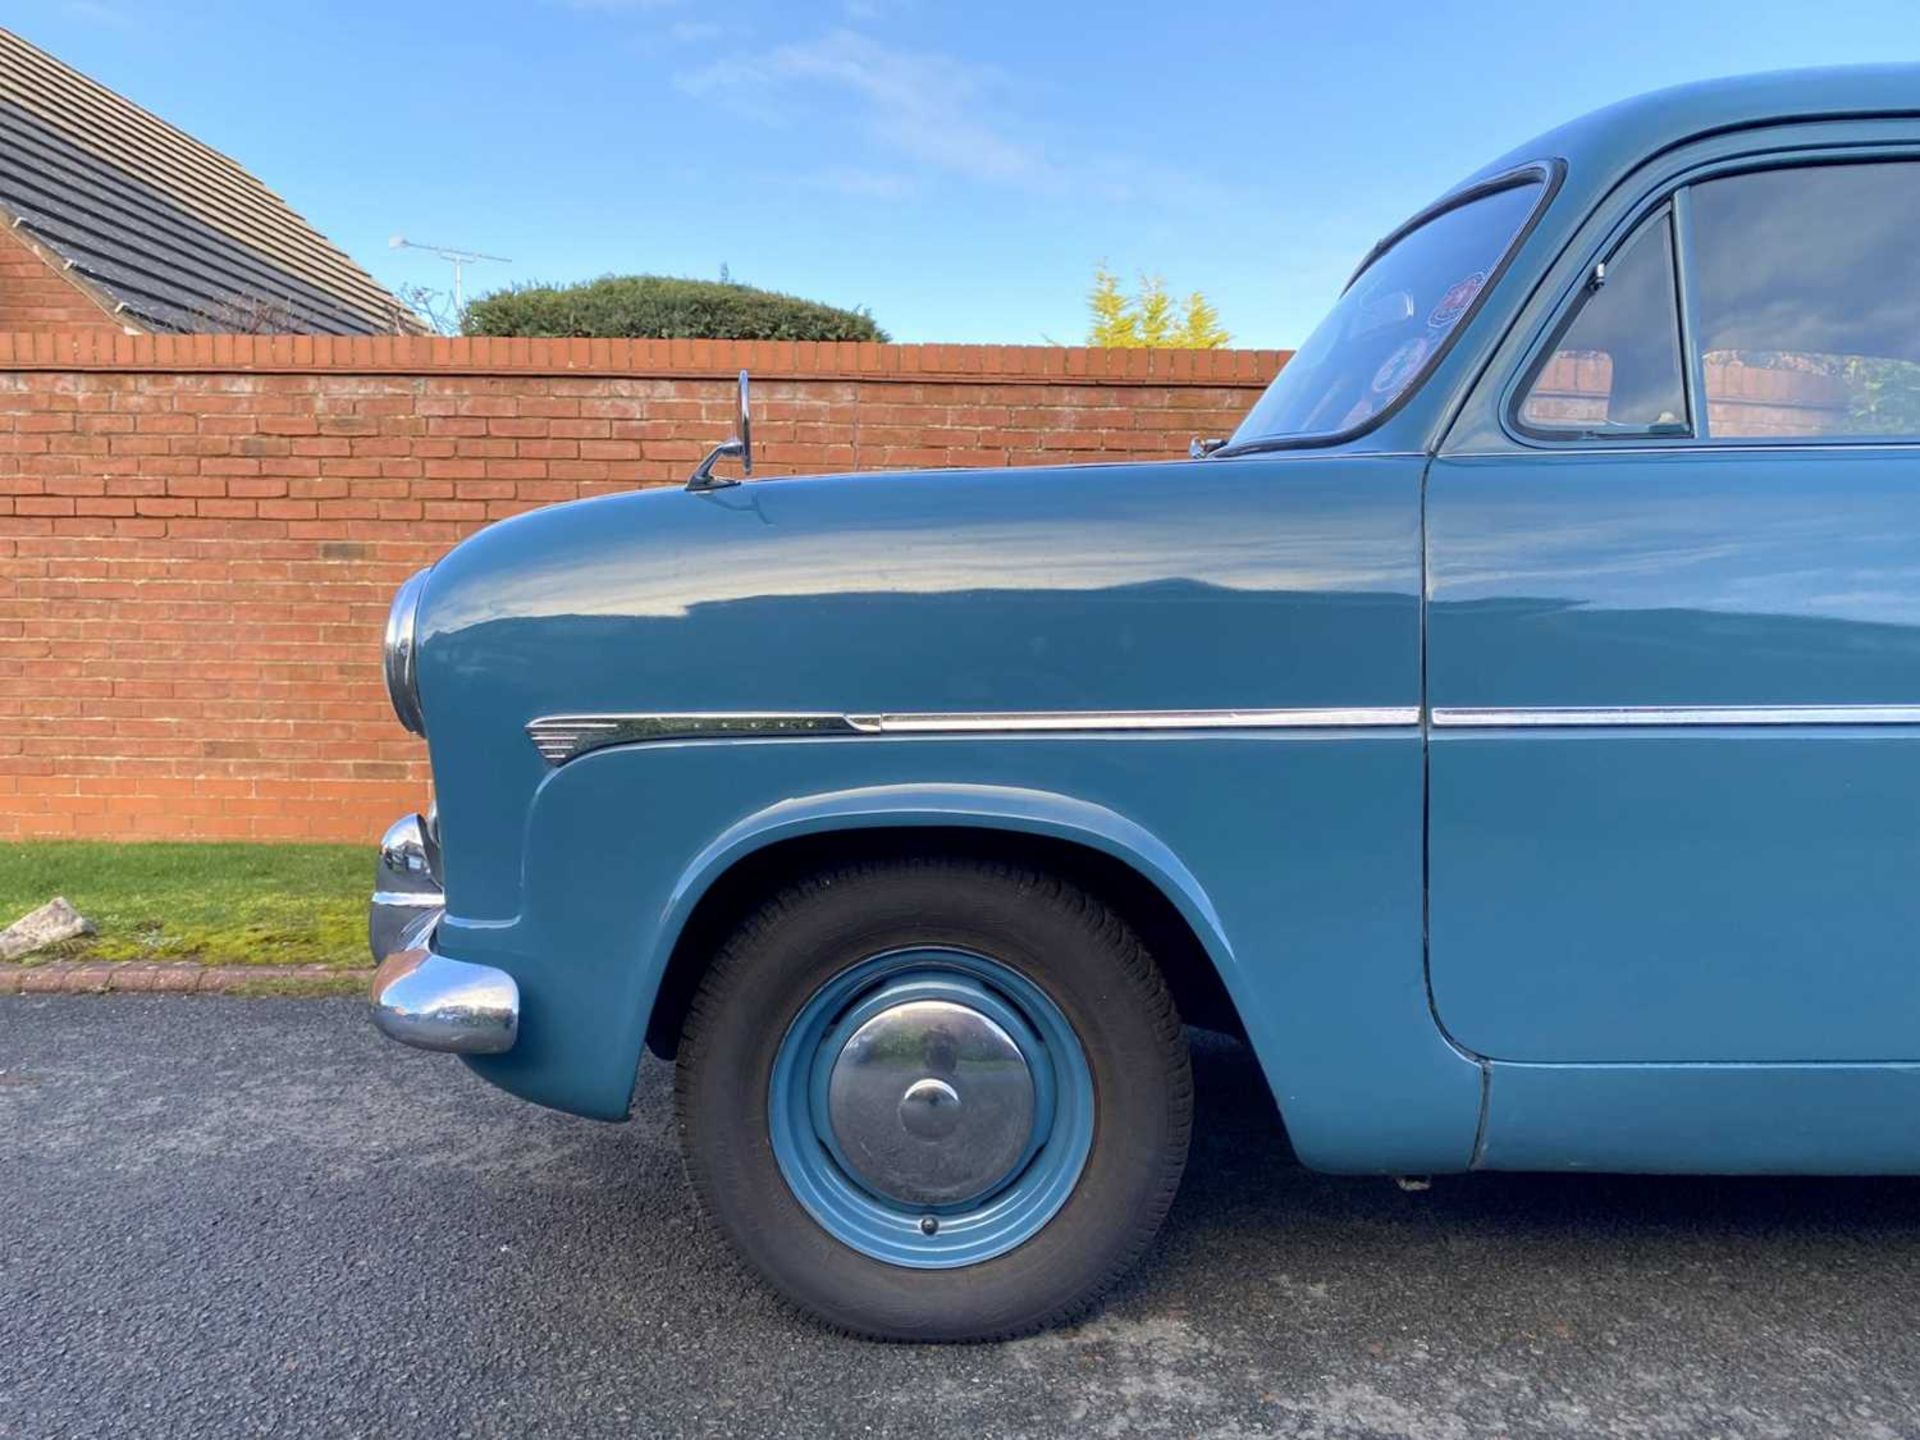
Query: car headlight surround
[[401, 653]]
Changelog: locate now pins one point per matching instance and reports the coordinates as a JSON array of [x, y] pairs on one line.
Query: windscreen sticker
[[1455, 302], [1361, 412], [1400, 367]]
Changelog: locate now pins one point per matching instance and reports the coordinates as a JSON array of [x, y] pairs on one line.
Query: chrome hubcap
[[931, 1108], [931, 1102]]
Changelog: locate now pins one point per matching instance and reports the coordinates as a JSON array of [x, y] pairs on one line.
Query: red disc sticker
[[1454, 303]]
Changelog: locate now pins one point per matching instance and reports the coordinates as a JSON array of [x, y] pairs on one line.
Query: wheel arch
[[1102, 851]]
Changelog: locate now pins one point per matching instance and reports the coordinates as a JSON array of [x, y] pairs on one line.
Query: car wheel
[[935, 1099]]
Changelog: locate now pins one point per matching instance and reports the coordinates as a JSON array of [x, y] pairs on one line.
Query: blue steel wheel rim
[[1007, 1212]]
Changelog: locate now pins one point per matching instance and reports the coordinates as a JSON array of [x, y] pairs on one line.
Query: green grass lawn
[[218, 904]]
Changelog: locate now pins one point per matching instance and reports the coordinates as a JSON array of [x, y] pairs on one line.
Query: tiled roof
[[174, 233]]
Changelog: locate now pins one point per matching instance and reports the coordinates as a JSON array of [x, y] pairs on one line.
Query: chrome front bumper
[[421, 998], [432, 1002]]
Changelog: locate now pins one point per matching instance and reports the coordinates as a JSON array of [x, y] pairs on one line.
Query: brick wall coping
[[431, 355]]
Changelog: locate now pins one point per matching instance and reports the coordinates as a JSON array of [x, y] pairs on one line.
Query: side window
[[1615, 368], [1806, 300]]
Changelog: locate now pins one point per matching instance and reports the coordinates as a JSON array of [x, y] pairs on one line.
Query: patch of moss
[[218, 904]]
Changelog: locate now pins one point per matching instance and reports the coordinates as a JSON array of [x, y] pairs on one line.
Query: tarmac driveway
[[255, 1217]]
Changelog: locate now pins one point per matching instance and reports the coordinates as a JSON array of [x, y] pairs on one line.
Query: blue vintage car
[[1513, 731]]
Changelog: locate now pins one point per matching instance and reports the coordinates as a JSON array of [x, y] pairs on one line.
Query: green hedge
[[661, 307]]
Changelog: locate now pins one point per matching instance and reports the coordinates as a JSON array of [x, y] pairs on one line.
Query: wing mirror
[[738, 446]]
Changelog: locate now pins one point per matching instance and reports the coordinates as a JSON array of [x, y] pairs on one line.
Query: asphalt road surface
[[239, 1217]]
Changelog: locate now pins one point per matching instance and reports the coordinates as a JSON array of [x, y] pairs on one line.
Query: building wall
[[36, 297], [200, 535]]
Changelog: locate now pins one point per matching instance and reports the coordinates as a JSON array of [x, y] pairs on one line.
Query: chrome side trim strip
[[560, 738], [1469, 717], [1033, 721]]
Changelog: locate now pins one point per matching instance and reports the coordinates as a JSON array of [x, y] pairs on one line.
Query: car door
[[1674, 638]]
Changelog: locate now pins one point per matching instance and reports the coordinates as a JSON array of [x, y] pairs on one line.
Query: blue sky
[[957, 167]]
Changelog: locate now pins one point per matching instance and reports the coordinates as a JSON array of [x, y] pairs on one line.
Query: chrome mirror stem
[[703, 477], [738, 447]]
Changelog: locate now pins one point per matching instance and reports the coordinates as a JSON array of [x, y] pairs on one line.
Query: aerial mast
[[454, 256]]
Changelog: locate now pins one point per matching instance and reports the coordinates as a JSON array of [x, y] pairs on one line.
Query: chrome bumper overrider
[[406, 888], [421, 998]]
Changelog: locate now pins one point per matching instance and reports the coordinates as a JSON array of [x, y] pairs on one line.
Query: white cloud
[[928, 113], [938, 110]]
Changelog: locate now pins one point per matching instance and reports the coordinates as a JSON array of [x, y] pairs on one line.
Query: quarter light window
[[1616, 368], [1807, 301]]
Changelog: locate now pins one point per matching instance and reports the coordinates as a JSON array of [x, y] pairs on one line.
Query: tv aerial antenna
[[454, 256]]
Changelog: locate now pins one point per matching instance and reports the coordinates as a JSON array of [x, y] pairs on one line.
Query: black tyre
[[935, 1099]]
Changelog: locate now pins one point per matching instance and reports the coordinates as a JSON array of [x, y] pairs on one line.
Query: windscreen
[[1391, 323]]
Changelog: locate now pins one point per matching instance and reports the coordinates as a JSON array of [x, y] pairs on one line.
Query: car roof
[[1619, 136]]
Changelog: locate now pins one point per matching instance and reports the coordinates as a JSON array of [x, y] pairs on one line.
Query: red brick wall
[[1742, 400], [199, 535], [36, 297]]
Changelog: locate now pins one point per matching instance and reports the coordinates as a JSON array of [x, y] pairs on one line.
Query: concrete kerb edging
[[85, 977]]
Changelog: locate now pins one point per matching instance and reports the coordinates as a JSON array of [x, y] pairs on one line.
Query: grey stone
[[49, 925]]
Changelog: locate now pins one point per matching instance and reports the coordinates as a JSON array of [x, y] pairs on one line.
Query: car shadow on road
[[1247, 1205], [1257, 1242]]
